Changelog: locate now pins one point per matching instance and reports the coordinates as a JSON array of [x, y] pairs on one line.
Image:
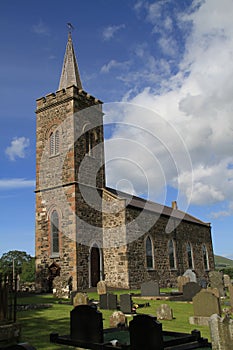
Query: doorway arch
[[95, 265]]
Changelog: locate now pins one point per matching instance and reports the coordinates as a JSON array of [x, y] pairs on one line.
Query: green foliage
[[20, 262], [227, 271]]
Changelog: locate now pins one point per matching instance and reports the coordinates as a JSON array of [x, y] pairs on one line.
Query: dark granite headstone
[[150, 289], [103, 301], [126, 303], [190, 289], [112, 301], [108, 301], [145, 333], [86, 324]]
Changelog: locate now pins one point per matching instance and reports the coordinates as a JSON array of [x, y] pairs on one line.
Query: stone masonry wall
[[185, 232]]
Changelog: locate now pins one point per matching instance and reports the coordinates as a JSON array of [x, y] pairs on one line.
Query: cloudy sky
[[165, 72]]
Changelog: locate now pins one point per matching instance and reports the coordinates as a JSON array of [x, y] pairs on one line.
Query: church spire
[[70, 73]]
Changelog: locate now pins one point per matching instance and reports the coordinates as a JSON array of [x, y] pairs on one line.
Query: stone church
[[86, 232]]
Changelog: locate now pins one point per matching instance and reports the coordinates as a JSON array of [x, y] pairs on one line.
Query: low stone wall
[[9, 333], [26, 307]]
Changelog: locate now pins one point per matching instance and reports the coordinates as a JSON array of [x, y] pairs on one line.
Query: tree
[[17, 262]]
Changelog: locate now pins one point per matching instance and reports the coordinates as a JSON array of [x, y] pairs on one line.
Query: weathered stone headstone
[[80, 299], [230, 289], [150, 289], [192, 276], [101, 287], [190, 289], [60, 287], [145, 333], [205, 304], [214, 291], [226, 281], [126, 304], [86, 324], [116, 319], [221, 332], [181, 281], [216, 281], [164, 312]]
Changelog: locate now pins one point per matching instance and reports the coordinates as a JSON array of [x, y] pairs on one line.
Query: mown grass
[[38, 324]]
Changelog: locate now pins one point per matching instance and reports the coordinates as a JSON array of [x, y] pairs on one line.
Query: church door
[[95, 266]]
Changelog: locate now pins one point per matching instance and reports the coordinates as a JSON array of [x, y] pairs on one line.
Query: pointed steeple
[[70, 73]]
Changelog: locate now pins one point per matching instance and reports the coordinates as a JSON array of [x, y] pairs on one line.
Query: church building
[[86, 232]]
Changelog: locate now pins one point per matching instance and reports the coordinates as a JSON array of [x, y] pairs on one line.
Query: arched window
[[54, 143], [189, 255], [91, 138], [149, 253], [205, 257], [171, 253], [51, 144], [54, 219], [57, 142]]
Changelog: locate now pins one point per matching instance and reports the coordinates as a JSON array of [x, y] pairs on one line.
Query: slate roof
[[140, 203]]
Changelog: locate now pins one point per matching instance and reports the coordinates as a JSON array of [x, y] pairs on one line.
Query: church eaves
[[70, 73]]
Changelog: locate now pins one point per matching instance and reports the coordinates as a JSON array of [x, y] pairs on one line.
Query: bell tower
[[69, 174]]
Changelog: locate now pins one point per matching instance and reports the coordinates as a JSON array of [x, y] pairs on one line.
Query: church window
[[91, 138], [54, 233], [171, 253], [205, 257], [189, 255], [149, 253], [54, 140]]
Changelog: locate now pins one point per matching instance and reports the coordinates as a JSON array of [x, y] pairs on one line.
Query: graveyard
[[52, 315]]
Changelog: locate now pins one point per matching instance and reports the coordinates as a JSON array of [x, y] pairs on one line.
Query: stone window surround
[[189, 252], [149, 268], [52, 253], [173, 253]]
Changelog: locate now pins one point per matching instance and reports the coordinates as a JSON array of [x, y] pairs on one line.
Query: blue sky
[[171, 59]]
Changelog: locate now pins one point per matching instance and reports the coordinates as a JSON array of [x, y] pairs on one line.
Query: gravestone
[[101, 287], [112, 301], [216, 281], [190, 289], [230, 289], [192, 276], [214, 291], [145, 333], [181, 281], [126, 304], [86, 324], [150, 289], [205, 304], [80, 299], [103, 298], [60, 287], [226, 281], [164, 312], [108, 301], [221, 332], [117, 319]]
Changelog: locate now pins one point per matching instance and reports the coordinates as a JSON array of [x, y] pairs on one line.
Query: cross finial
[[70, 27]]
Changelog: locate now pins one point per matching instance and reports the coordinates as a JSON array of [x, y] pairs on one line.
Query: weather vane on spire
[[70, 27]]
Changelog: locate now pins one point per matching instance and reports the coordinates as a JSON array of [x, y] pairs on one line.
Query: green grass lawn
[[38, 324]]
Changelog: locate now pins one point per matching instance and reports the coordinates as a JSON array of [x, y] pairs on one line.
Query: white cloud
[[198, 102], [17, 148], [110, 31], [40, 28], [6, 184], [113, 64]]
